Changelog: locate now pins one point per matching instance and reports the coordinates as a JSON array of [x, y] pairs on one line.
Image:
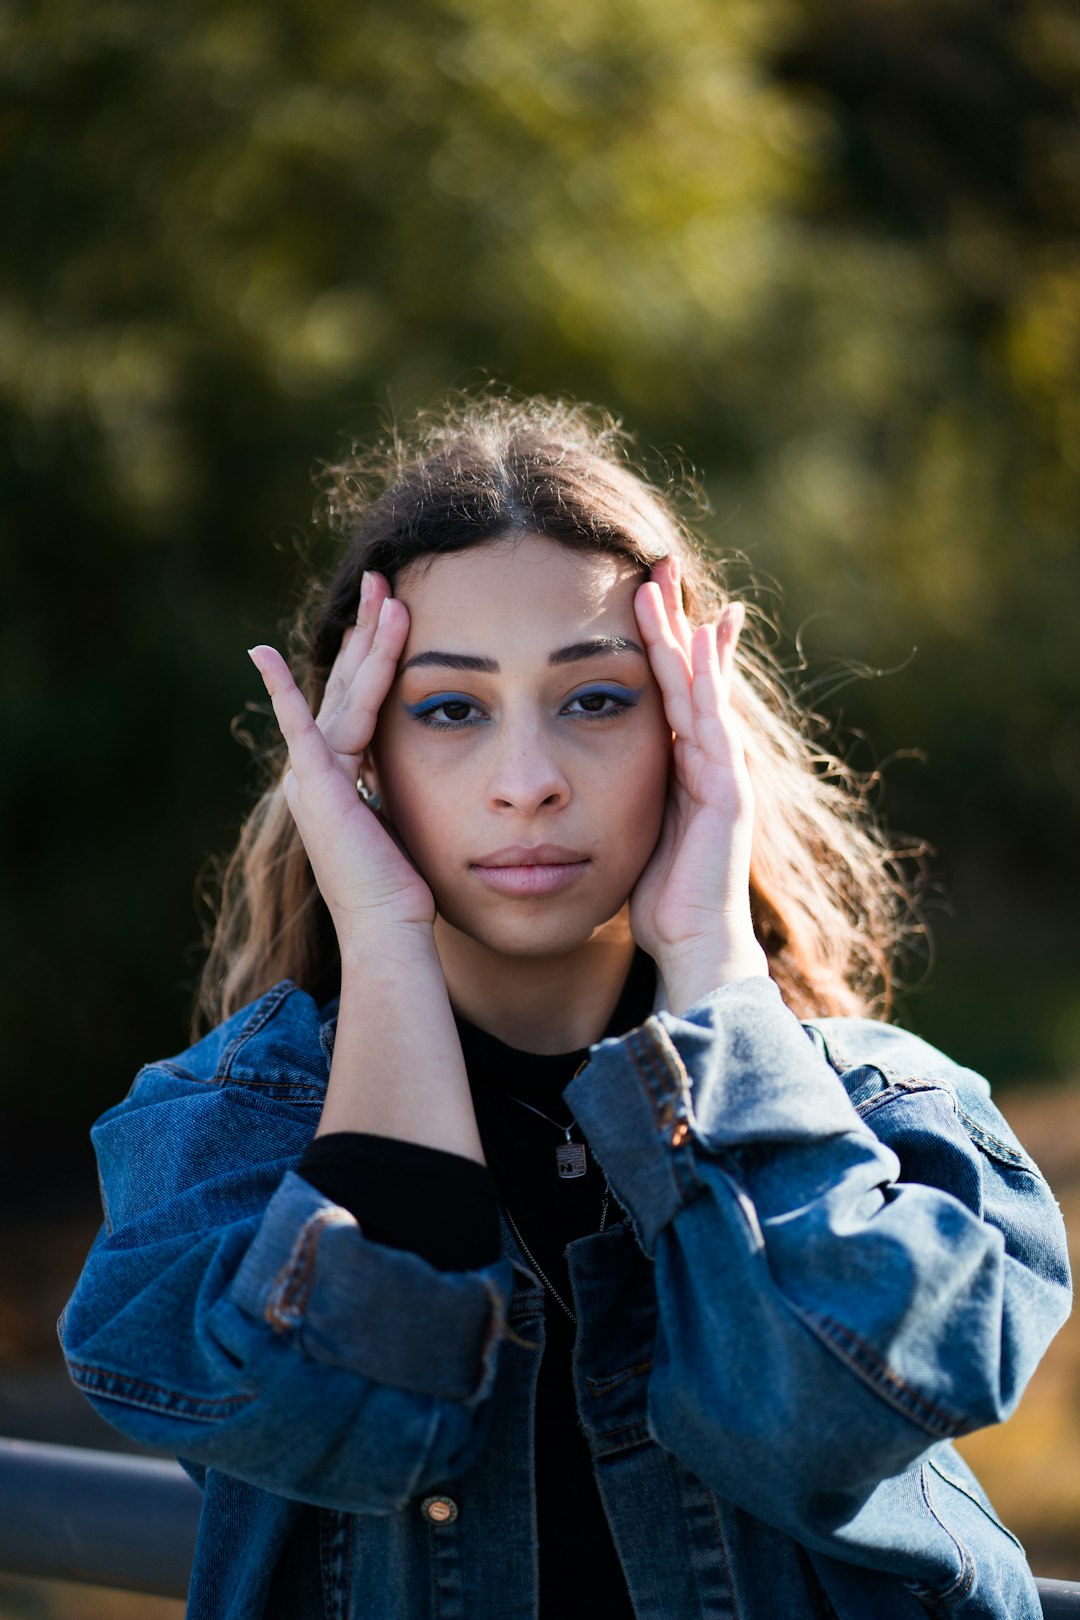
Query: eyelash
[[424, 712]]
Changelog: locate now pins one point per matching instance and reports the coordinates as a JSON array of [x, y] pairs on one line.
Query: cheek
[[396, 771], [638, 793], [422, 798], [656, 754]]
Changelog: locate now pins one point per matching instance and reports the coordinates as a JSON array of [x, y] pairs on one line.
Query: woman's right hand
[[366, 880]]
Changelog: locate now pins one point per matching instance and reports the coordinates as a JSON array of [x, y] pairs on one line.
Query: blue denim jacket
[[835, 1257]]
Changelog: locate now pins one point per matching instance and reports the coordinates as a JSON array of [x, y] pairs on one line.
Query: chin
[[537, 930]]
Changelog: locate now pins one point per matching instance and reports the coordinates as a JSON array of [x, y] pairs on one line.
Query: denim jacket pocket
[[951, 1591], [993, 1577], [952, 1468]]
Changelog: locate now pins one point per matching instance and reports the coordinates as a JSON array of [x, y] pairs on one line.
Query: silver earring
[[369, 796]]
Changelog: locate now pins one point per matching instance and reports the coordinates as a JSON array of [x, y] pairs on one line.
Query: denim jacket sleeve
[[231, 1314], [854, 1258]]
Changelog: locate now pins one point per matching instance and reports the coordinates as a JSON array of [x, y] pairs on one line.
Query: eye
[[600, 703], [447, 711]]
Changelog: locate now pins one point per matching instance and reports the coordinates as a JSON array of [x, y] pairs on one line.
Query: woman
[[546, 1229]]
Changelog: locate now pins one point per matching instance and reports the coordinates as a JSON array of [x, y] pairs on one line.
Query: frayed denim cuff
[[384, 1313], [736, 1069]]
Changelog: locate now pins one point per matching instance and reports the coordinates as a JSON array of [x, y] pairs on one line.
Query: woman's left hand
[[690, 908]]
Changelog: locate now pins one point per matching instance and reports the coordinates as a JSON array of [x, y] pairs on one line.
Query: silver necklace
[[527, 1252], [570, 1157]]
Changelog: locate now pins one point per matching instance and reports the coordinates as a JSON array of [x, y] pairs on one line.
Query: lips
[[526, 872], [531, 855]]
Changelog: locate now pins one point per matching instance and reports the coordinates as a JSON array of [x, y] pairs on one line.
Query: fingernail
[[365, 588], [384, 610]]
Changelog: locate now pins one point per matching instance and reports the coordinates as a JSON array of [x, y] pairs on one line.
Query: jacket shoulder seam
[[261, 1014]]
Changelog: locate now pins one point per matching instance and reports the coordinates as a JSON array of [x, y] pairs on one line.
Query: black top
[[444, 1206]]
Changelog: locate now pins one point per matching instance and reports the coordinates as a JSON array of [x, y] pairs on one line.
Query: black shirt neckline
[[497, 1066]]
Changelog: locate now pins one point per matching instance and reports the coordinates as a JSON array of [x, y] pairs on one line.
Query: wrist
[[397, 1068], [693, 972], [388, 948]]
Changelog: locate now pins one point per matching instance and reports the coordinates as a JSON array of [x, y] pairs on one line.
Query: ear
[[369, 776]]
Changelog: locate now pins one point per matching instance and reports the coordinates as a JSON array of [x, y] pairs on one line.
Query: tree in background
[[829, 250]]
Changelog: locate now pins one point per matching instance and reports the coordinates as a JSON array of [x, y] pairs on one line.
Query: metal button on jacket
[[439, 1509]]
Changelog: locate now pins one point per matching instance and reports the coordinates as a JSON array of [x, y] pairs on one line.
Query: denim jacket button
[[439, 1509]]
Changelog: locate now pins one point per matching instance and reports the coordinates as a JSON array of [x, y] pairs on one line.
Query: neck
[[543, 1004]]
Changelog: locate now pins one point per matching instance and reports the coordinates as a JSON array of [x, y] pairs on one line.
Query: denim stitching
[[981, 1134], [641, 1054], [915, 1083], [626, 1434], [335, 1532], [813, 1029], [288, 1296], [261, 1016], [656, 1059], [600, 1386], [965, 1490], [978, 1133], [302, 1089], [867, 1361], [349, 1539], [963, 1582], [169, 1066], [676, 1068], [113, 1386], [645, 1054], [841, 1063], [724, 1555], [106, 1214], [881, 1099], [498, 1313], [282, 1090]]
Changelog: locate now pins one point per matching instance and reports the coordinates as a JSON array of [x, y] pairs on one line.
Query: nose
[[527, 775]]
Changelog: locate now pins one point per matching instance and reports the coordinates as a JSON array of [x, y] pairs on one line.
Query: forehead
[[527, 590]]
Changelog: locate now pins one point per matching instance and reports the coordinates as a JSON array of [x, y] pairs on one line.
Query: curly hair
[[829, 899]]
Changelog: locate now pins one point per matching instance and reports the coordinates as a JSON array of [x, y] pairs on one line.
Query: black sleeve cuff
[[442, 1206]]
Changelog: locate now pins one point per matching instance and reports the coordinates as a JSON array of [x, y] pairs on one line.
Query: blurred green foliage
[[829, 248]]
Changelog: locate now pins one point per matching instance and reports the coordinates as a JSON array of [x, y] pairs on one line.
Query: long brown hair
[[829, 904]]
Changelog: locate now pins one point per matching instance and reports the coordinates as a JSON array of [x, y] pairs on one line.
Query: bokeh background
[[824, 252]]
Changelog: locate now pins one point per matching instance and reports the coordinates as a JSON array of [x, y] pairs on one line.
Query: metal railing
[[1060, 1599], [71, 1514]]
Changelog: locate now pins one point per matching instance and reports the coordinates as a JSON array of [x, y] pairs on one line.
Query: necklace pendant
[[570, 1160]]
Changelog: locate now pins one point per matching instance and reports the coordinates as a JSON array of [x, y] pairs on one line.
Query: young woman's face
[[522, 754]]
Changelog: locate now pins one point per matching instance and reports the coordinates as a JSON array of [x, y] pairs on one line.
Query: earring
[[369, 796]]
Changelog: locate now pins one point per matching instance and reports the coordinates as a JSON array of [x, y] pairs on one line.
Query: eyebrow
[[596, 647]]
